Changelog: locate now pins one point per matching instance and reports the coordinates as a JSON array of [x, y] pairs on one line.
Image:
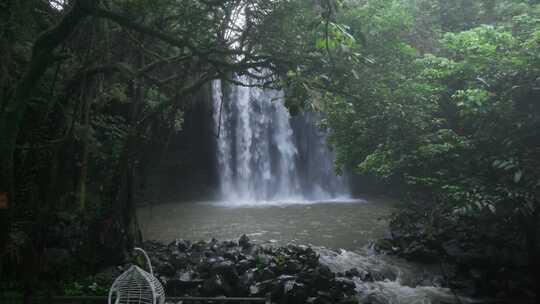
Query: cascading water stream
[[265, 155]]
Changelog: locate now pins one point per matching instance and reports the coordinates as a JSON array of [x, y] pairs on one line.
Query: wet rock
[[295, 292], [179, 259], [183, 245], [243, 265], [244, 242], [361, 274], [166, 269], [213, 242], [229, 244], [284, 278], [172, 246], [346, 285], [292, 267], [323, 300], [254, 289], [352, 273], [264, 274], [209, 254], [182, 285], [336, 293], [307, 277], [204, 268], [438, 281], [227, 270], [323, 297], [262, 288], [263, 260], [349, 300], [366, 276], [291, 274], [198, 246], [213, 286], [277, 291], [384, 245], [319, 280], [230, 255], [241, 256], [325, 272], [247, 279], [373, 299], [195, 258]]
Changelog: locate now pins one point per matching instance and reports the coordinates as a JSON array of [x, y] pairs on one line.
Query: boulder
[[264, 274], [291, 274], [292, 267], [323, 300], [295, 292], [179, 259], [244, 242], [182, 285], [227, 270], [213, 286], [166, 269], [204, 268], [243, 265], [349, 300], [230, 255], [183, 245], [198, 246], [346, 285]]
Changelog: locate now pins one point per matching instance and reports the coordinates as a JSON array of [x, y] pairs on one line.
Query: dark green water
[[346, 224]]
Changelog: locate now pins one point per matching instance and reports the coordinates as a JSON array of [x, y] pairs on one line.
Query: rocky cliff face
[[186, 170]]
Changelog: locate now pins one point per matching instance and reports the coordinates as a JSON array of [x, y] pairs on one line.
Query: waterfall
[[265, 155]]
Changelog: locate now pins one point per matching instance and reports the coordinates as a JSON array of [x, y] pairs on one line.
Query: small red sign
[[4, 201]]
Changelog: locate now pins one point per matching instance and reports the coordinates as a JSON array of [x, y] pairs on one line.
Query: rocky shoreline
[[470, 270], [289, 274]]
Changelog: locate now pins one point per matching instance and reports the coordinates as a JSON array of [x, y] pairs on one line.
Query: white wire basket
[[136, 286]]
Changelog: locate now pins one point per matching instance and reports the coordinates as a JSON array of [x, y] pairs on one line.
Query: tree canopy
[[438, 100]]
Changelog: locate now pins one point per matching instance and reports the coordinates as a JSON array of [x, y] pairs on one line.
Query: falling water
[[265, 155]]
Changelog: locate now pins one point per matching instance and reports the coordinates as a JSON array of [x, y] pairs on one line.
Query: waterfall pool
[[347, 224], [340, 230]]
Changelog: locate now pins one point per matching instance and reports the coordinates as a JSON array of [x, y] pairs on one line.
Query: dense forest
[[435, 102]]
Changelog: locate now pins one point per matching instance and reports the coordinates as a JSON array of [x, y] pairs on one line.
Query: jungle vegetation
[[437, 100]]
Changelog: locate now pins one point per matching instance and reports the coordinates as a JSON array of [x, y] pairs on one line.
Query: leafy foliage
[[452, 123]]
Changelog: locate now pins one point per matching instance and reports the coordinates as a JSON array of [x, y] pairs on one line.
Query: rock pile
[[290, 274]]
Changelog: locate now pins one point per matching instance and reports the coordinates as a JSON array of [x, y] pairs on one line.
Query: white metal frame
[[136, 286]]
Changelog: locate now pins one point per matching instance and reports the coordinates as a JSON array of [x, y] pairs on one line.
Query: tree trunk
[[125, 211], [14, 108], [85, 142]]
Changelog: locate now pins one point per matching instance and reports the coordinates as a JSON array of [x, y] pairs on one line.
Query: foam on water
[[393, 281], [283, 203]]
